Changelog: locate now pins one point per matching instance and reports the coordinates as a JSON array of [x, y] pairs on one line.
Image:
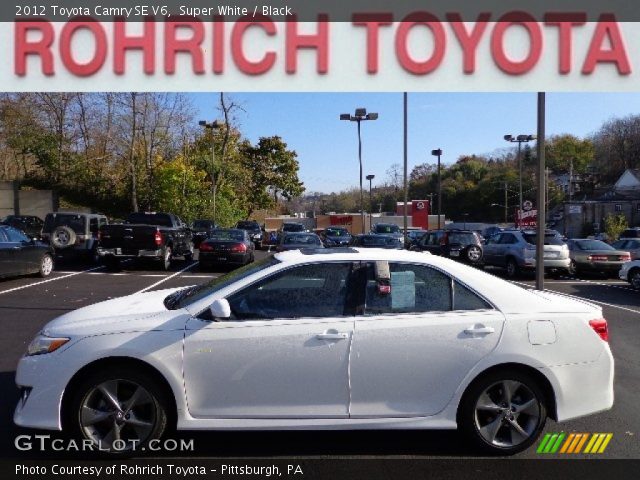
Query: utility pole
[[506, 203], [541, 190]]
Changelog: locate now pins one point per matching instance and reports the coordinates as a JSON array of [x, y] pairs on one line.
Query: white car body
[[389, 371]]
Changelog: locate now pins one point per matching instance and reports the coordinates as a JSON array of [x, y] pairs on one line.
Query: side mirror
[[220, 308]]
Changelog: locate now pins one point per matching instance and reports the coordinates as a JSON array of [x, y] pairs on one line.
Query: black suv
[[462, 245], [253, 229], [29, 224]]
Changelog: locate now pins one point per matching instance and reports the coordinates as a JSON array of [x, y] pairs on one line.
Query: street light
[[506, 211], [370, 178], [212, 126], [438, 153], [360, 116], [520, 139]]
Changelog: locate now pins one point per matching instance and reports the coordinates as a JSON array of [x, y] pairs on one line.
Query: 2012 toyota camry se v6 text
[[340, 338]]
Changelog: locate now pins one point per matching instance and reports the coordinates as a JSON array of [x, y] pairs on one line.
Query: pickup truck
[[154, 236]]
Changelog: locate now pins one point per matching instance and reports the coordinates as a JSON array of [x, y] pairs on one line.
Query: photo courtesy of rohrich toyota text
[[323, 240]]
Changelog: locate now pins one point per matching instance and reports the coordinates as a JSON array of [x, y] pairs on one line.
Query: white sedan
[[339, 339]]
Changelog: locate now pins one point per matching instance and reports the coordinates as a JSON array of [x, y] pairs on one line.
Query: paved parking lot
[[26, 304]]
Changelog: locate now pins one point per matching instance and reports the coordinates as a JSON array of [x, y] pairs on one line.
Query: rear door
[[414, 346], [7, 255]]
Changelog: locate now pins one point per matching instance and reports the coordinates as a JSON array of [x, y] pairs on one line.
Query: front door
[[415, 345], [284, 353]]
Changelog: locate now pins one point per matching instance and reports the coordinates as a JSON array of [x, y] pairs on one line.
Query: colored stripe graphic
[[573, 443]]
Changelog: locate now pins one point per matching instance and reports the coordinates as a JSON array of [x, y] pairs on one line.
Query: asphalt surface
[[27, 303]]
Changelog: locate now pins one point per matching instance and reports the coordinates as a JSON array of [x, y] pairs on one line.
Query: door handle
[[332, 335], [479, 329]]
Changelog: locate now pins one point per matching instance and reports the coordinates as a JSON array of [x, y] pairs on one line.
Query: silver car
[[515, 251]]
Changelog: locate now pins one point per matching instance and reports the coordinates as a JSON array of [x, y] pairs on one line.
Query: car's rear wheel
[[118, 410], [166, 260], [634, 278], [512, 268], [188, 255], [473, 254], [503, 412], [573, 269], [46, 265]]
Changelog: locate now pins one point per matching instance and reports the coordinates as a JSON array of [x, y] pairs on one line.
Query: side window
[[465, 299], [3, 237], [93, 224], [508, 239], [414, 288], [15, 236], [315, 290]]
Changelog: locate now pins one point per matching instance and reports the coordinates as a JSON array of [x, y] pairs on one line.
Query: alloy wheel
[[474, 254], [46, 266], [507, 414], [117, 414], [634, 279]]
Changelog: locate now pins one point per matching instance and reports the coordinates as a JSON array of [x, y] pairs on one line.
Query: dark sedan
[[376, 241], [201, 230], [413, 237], [20, 255], [335, 237], [295, 241], [595, 256], [29, 224], [226, 246]]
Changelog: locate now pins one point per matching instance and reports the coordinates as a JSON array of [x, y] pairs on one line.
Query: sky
[[458, 123]]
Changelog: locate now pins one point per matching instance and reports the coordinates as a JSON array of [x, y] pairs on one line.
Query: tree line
[[473, 187], [123, 152]]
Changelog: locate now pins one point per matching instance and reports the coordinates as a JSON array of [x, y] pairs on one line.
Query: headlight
[[43, 344]]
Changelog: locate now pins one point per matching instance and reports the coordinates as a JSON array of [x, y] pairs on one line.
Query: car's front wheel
[[503, 413], [473, 254], [118, 410], [634, 278], [46, 265], [512, 268]]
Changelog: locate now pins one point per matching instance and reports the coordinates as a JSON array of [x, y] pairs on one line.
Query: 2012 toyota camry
[[337, 339]]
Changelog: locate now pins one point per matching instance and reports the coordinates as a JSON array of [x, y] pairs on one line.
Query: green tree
[[562, 150], [614, 225]]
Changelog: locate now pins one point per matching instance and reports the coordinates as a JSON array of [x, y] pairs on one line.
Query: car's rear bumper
[[124, 253], [601, 266], [222, 258], [549, 263]]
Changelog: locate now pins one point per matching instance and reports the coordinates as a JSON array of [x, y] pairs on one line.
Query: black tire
[[154, 411], [63, 237], [513, 271], [203, 267], [188, 255], [165, 263], [634, 278], [46, 265], [477, 417], [111, 263], [573, 269]]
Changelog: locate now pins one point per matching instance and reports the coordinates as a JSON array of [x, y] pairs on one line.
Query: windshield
[[227, 235], [593, 245], [301, 240], [549, 239], [75, 222], [187, 296], [336, 232], [371, 241], [387, 229]]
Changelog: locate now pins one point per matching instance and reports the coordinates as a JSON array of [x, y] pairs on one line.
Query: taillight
[[625, 258], [239, 248], [158, 238], [206, 247], [99, 235], [599, 326], [445, 239], [597, 258]]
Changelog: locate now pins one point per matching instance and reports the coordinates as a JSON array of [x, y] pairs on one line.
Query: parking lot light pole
[[506, 211], [370, 178], [359, 116], [212, 126], [438, 153], [520, 139]]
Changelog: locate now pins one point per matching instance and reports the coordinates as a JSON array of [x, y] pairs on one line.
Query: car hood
[[137, 312], [338, 238]]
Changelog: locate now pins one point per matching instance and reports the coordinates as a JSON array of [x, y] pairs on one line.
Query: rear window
[[462, 238], [631, 233], [386, 229], [161, 219], [293, 227], [301, 240], [227, 235], [549, 239], [593, 245], [202, 224], [248, 226], [76, 222]]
